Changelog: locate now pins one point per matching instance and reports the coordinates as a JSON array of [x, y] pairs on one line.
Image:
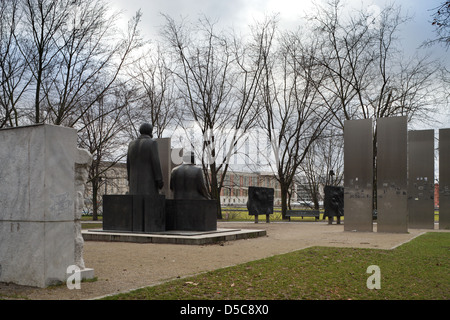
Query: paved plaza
[[121, 267]]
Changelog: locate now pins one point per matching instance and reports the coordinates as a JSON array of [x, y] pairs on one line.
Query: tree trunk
[[289, 200], [37, 115], [284, 197], [94, 199], [316, 199], [374, 178], [215, 195], [219, 209]]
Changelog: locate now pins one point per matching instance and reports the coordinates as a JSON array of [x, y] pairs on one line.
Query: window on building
[[226, 181]]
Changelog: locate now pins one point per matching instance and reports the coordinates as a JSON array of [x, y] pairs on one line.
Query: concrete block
[[37, 201], [137, 213], [37, 170], [191, 215]]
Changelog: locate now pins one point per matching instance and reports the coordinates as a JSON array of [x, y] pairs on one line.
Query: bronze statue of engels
[[143, 166], [190, 209], [187, 182]]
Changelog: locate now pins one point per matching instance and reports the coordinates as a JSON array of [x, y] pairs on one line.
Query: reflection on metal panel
[[391, 175], [358, 175], [444, 178], [421, 179]]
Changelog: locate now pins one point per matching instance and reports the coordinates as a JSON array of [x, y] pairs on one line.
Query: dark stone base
[[117, 213], [136, 213], [191, 215], [174, 237]]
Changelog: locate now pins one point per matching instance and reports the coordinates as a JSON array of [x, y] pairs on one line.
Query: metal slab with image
[[358, 176], [421, 179], [392, 212], [444, 179]]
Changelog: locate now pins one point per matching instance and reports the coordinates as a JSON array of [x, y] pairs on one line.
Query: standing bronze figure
[[143, 166]]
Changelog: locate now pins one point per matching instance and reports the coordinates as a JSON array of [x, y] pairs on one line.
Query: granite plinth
[[134, 213], [174, 236], [38, 196], [191, 215]]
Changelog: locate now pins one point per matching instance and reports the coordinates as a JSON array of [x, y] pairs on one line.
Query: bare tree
[[14, 75], [204, 67], [294, 117], [368, 76], [323, 165], [158, 97], [68, 48], [101, 133], [218, 78], [90, 54], [40, 31], [441, 21]]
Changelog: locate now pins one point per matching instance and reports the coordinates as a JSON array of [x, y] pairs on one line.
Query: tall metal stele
[[358, 175]]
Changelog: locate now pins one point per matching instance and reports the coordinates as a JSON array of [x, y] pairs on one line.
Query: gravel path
[[121, 267]]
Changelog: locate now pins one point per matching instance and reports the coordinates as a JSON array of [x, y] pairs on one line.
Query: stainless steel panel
[[444, 178], [392, 175], [358, 175], [421, 179]]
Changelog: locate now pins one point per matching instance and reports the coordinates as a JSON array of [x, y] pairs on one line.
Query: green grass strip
[[419, 269]]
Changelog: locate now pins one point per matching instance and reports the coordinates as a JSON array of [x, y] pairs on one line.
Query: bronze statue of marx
[[143, 166]]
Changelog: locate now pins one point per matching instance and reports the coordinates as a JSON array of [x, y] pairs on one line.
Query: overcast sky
[[241, 13]]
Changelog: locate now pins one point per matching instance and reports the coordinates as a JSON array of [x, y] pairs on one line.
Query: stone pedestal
[[118, 212], [154, 213], [134, 213], [191, 215], [37, 201]]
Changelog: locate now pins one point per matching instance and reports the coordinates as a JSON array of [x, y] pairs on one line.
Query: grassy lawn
[[419, 269], [89, 218], [231, 215], [92, 225], [228, 214]]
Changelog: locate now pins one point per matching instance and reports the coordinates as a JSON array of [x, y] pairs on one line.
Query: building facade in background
[[234, 191]]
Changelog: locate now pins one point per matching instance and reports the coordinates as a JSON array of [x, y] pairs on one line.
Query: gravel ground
[[121, 267]]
